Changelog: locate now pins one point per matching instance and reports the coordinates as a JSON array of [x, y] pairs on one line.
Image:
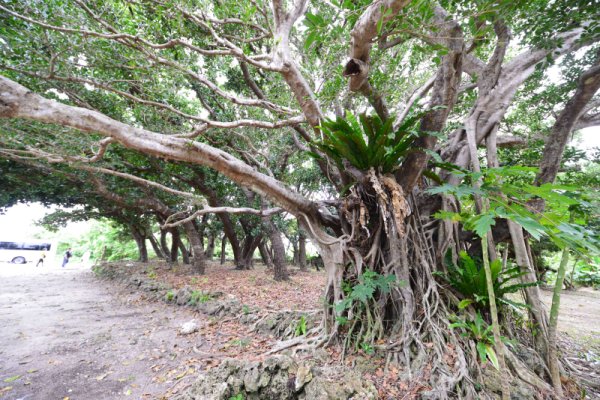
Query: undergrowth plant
[[587, 274], [300, 327], [198, 297], [468, 278], [170, 295], [479, 331], [364, 328]]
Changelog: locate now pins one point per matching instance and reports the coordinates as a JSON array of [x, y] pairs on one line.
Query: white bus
[[22, 252]]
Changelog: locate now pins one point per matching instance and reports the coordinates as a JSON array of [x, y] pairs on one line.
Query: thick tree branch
[[218, 210], [363, 34], [18, 102], [443, 98], [587, 86], [417, 95]]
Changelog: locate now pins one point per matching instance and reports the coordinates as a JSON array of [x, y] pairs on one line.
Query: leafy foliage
[[468, 277], [170, 296], [198, 297], [384, 148], [357, 310], [364, 291], [300, 326], [508, 189], [478, 330], [587, 274]]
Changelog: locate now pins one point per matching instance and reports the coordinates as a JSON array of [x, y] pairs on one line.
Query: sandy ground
[[579, 315], [65, 334]]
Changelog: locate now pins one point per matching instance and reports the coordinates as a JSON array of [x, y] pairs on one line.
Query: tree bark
[[165, 247], [199, 261], [174, 251], [140, 241], [185, 252], [531, 293], [553, 362], [588, 85], [223, 248], [250, 244], [155, 246], [19, 102], [302, 250], [210, 247], [443, 98], [295, 255], [265, 254], [228, 226], [279, 262]]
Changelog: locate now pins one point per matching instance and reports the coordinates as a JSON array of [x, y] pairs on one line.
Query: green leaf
[[481, 224], [535, 229], [482, 351], [491, 354], [465, 303]]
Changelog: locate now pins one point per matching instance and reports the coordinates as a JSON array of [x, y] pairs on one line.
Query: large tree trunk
[[414, 314], [199, 263]]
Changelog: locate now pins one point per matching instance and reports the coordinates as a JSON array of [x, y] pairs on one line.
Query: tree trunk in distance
[[295, 255], [280, 270], [140, 241], [209, 253], [223, 247], [185, 252], [193, 235], [302, 251], [265, 255], [155, 246], [174, 252], [250, 245], [165, 246]]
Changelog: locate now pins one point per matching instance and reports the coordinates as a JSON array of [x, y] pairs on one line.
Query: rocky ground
[[69, 335]]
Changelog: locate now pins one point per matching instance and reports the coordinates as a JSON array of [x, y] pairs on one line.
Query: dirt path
[[579, 315], [65, 334]]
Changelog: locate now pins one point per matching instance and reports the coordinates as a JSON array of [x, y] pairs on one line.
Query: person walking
[[66, 257], [41, 260]]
